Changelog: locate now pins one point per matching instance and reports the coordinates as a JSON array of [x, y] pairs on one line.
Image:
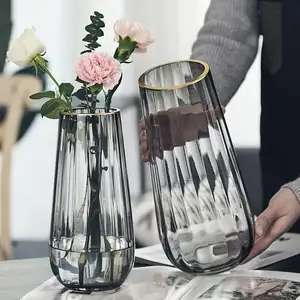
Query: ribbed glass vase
[[91, 240], [204, 220]]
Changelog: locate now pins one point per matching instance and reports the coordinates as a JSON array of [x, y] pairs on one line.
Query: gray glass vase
[[204, 220], [91, 240]]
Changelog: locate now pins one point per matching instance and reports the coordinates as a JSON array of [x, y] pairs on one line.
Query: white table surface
[[18, 277]]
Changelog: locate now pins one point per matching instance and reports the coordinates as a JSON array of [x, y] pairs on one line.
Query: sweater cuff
[[294, 186]]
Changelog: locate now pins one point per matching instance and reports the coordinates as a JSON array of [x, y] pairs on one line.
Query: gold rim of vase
[[178, 86], [115, 110]]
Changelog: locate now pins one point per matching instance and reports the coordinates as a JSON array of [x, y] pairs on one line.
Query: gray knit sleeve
[[228, 42], [294, 186]]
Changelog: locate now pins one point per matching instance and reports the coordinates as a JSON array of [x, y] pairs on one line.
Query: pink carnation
[[101, 68], [136, 32]]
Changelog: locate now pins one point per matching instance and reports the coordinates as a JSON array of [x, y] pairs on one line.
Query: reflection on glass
[[204, 220]]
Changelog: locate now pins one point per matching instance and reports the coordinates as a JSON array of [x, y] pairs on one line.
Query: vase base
[[89, 290], [101, 271]]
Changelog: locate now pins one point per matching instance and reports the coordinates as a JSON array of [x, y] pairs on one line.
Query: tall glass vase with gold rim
[[204, 220], [91, 239]]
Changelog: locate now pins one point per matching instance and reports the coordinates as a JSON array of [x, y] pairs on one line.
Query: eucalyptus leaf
[[97, 14], [94, 30], [97, 21], [66, 89], [94, 45], [99, 33], [47, 94], [53, 108], [90, 38], [101, 24], [85, 51], [89, 47], [91, 28]]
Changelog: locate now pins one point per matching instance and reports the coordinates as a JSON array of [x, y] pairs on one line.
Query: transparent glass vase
[[204, 220], [91, 240]]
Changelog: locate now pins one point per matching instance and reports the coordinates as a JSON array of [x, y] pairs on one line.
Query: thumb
[[265, 221]]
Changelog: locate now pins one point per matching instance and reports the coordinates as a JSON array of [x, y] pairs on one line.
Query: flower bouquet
[[91, 239]]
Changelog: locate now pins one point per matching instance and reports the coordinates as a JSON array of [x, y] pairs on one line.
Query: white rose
[[23, 49]]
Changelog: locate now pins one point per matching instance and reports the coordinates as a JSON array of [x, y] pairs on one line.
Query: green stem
[[51, 76], [93, 103], [109, 95], [40, 62]]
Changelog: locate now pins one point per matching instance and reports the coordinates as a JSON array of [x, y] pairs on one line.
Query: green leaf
[[99, 33], [97, 14], [85, 51], [97, 22], [116, 54], [53, 108], [82, 259], [125, 49], [110, 95], [91, 28], [84, 105], [124, 55], [90, 38], [94, 45], [66, 88], [101, 24], [126, 44], [47, 94], [96, 88], [82, 94], [79, 80], [94, 30]]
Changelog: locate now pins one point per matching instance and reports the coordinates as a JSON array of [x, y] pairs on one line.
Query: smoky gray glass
[[204, 220], [91, 240]]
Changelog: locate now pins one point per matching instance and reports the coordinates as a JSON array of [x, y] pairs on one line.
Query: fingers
[[279, 227], [266, 219], [145, 157], [264, 231], [142, 124], [269, 226], [143, 142], [144, 146]]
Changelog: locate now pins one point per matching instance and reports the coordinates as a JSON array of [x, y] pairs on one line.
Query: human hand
[[282, 212]]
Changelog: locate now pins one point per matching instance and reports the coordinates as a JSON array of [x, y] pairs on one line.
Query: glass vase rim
[[112, 111], [178, 86]]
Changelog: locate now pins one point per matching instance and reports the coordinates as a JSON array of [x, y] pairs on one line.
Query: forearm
[[5, 30], [228, 42], [294, 186]]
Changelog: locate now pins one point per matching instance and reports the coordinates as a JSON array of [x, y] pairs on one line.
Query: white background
[[60, 24]]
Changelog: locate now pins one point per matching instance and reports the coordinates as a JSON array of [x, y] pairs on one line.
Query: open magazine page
[[287, 246], [149, 283], [165, 283], [254, 285]]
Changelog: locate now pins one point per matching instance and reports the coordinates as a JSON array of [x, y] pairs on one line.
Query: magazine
[[285, 247], [167, 283]]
